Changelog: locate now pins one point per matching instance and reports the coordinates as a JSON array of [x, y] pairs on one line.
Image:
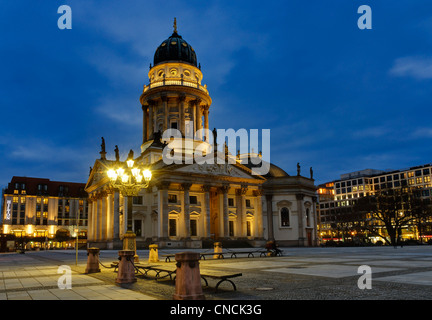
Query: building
[[336, 198], [189, 204], [37, 210]]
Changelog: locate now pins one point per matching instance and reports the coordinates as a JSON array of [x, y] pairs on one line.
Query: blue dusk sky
[[335, 97]]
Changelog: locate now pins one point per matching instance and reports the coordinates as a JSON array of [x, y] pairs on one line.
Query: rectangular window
[[172, 227], [230, 202], [193, 200], [419, 180], [231, 228], [137, 228], [172, 198], [248, 204], [193, 228], [426, 171], [248, 228], [137, 200]]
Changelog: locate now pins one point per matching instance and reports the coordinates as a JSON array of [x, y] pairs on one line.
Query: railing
[[175, 82]]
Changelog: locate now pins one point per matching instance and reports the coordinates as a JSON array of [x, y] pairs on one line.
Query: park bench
[[219, 275], [171, 271]]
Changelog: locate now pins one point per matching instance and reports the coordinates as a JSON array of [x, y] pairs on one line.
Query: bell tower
[[174, 95]]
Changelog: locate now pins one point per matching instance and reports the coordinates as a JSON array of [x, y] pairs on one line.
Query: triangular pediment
[[230, 170]]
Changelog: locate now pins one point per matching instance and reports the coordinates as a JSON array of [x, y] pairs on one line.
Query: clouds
[[416, 67]]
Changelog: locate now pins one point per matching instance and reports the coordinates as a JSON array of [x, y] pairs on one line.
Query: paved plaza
[[300, 274]]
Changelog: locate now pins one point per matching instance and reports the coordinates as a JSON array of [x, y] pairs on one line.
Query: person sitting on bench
[[272, 246]]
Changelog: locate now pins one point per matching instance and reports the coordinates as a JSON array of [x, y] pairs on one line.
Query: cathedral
[[189, 204]]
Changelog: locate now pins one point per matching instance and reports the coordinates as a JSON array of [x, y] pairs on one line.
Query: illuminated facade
[[338, 197], [37, 209], [191, 204]]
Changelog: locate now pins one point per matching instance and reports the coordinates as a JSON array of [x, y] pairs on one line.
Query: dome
[[175, 49]]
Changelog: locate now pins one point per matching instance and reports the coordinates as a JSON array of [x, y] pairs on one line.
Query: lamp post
[[129, 180]]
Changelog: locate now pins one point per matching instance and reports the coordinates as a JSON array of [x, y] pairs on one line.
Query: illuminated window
[[427, 179], [419, 180], [410, 181], [410, 174]]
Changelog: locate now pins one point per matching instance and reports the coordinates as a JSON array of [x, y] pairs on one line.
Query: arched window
[[307, 217], [284, 216]]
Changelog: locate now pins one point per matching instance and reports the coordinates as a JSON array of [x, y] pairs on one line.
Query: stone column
[[199, 124], [225, 224], [110, 214], [90, 220], [258, 213], [241, 210], [269, 200], [99, 218], [165, 111], [181, 125], [116, 216], [103, 216], [144, 109], [206, 190], [163, 209], [301, 234], [186, 209], [206, 123], [151, 120]]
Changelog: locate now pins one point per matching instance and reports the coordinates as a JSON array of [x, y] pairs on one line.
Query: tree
[[392, 210]]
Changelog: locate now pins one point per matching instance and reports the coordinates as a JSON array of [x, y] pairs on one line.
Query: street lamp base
[[129, 243]]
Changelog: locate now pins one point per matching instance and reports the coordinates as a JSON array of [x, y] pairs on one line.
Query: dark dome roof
[[175, 49]]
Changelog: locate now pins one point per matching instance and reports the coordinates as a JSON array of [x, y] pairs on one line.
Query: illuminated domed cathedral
[[188, 202]]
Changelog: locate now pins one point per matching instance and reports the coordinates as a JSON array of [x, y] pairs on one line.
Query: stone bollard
[[188, 277], [153, 253], [217, 249], [126, 269], [92, 260]]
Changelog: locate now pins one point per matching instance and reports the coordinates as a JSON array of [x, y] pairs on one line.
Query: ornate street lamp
[[129, 180]]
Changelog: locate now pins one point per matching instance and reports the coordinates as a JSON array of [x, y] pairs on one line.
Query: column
[[90, 220], [225, 220], [241, 210], [206, 123], [110, 214], [258, 213], [104, 212], [301, 234], [116, 216], [144, 109], [269, 200], [199, 124], [181, 125], [186, 209], [95, 220], [165, 111], [206, 190], [163, 210], [99, 218], [150, 120]]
